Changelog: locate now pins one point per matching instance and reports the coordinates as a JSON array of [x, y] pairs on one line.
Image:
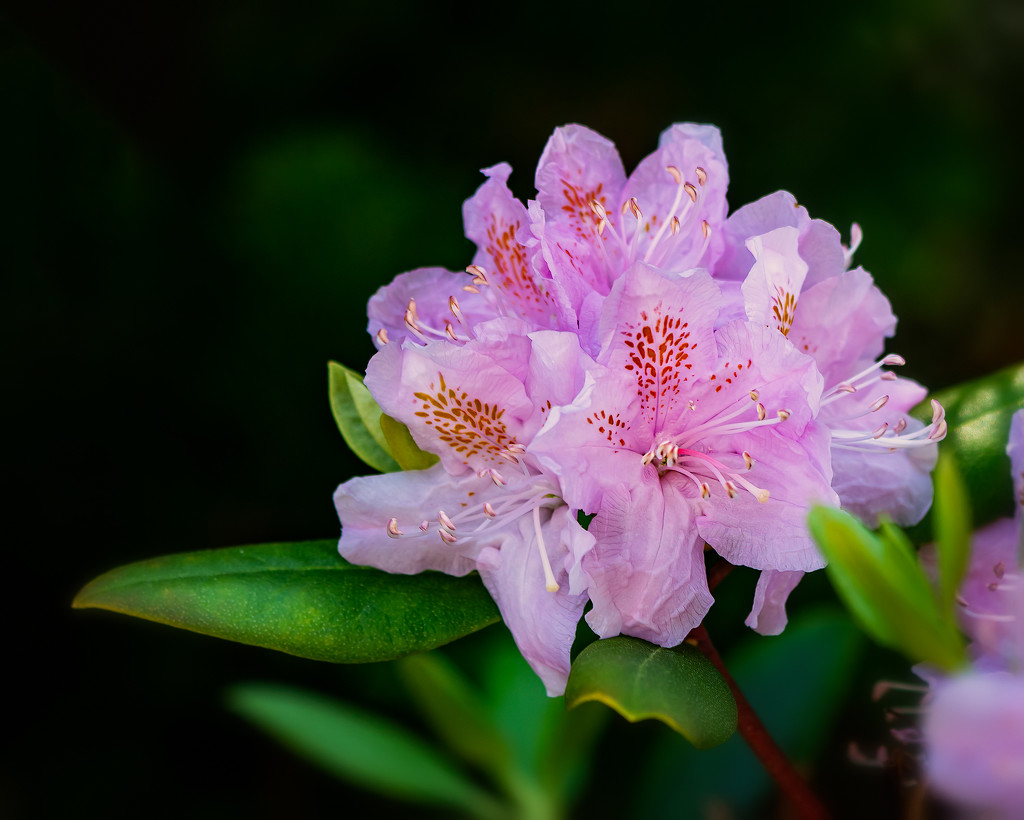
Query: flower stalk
[[804, 801]]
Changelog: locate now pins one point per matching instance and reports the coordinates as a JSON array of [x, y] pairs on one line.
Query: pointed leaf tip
[[358, 418], [641, 681]]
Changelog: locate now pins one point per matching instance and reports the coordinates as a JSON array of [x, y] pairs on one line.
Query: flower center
[[653, 240], [679, 454]]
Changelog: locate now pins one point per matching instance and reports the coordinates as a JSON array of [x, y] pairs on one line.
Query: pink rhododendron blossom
[[686, 435], [618, 346], [797, 282], [973, 729], [487, 506]]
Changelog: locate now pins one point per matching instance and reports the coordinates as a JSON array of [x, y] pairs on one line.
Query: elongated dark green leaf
[[679, 687], [455, 711], [358, 418], [952, 517], [882, 584], [360, 747], [978, 413], [301, 598], [400, 443]]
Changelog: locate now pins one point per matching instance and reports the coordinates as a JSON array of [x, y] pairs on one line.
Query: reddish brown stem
[[762, 744]]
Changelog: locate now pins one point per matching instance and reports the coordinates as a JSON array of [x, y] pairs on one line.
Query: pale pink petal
[[768, 615], [455, 400], [366, 505], [542, 622], [772, 534], [772, 288], [500, 226], [842, 322], [692, 193], [430, 290], [646, 569], [974, 731]]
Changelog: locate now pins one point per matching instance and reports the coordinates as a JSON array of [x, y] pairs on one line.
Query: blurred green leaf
[[797, 683], [978, 414], [639, 680], [301, 598], [360, 747], [455, 711], [400, 443], [358, 418], [952, 517], [883, 585]]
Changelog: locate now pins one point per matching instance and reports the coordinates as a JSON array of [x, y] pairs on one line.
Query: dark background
[[197, 201]]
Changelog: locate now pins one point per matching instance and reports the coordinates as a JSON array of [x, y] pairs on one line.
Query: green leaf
[[301, 598], [882, 584], [952, 522], [679, 687], [978, 413], [455, 711], [359, 747], [400, 443], [358, 418]]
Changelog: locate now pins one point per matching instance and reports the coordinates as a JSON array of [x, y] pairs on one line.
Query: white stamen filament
[[550, 584]]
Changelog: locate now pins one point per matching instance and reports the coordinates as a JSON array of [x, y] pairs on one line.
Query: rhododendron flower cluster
[[974, 722], [621, 347]]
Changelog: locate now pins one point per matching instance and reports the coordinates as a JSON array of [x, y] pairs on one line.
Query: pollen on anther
[[783, 414], [730, 488], [754, 395], [691, 191], [761, 412], [705, 228], [747, 459], [705, 491]]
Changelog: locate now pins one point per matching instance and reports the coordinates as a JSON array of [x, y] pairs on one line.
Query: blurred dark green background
[[199, 198]]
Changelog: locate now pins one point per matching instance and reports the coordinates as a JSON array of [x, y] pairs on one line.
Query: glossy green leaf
[[358, 418], [883, 585], [454, 710], [400, 443], [952, 524], [978, 414], [359, 747], [640, 681], [301, 598], [797, 683]]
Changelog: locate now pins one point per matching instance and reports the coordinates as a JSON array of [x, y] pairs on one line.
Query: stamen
[[382, 336], [551, 585], [888, 376], [747, 459], [393, 531], [445, 521], [730, 488], [678, 177], [446, 536], [754, 395], [634, 208], [449, 331], [691, 191], [894, 360], [456, 309], [424, 525], [489, 510], [674, 225], [880, 430], [496, 477], [761, 413], [702, 175], [783, 414], [470, 289], [705, 490]]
